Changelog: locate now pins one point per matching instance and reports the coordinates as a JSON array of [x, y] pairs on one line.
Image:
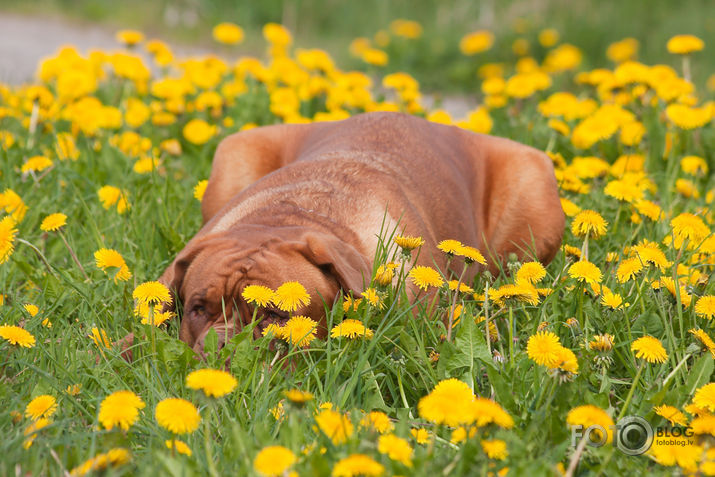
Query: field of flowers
[[103, 164]]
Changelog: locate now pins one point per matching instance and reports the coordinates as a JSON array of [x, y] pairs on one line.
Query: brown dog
[[307, 202]]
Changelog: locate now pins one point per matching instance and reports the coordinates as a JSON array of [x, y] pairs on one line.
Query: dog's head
[[210, 274]]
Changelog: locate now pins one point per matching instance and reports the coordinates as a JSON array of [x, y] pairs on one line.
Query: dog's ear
[[344, 262], [173, 276]]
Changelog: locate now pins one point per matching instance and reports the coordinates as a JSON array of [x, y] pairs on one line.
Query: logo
[[632, 435]]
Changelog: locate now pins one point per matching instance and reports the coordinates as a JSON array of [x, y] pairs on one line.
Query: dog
[[306, 203]]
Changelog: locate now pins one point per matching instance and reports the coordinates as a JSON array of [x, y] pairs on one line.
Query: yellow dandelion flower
[[213, 382], [685, 117], [601, 343], [290, 296], [129, 37], [274, 331], [373, 298], [677, 450], [649, 209], [705, 397], [687, 189], [688, 227], [36, 164], [41, 406], [694, 165], [120, 409], [178, 446], [450, 403], [198, 131], [145, 165], [300, 331], [705, 307], [705, 339], [521, 291], [350, 328], [628, 269], [385, 273], [650, 349], [650, 253], [570, 209], [704, 425], [351, 304], [495, 449], [669, 284], [33, 310], [463, 287], [425, 277], [17, 336], [672, 414], [589, 415], [450, 246], [623, 190], [200, 189], [357, 465], [335, 425], [7, 238], [684, 44], [228, 33], [113, 458], [566, 360], [420, 435], [53, 222], [531, 272], [274, 461], [585, 271], [476, 42], [110, 195], [571, 250], [109, 260], [407, 242], [612, 300], [153, 314], [278, 411], [543, 348], [151, 293], [297, 396], [13, 205], [31, 431], [461, 434], [258, 294], [487, 411], [378, 421], [100, 338], [177, 415], [471, 254], [395, 448], [589, 223]]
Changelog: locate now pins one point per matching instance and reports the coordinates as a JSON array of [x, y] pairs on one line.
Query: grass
[[411, 350]]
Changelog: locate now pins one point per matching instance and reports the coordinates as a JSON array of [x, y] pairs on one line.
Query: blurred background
[[433, 58]]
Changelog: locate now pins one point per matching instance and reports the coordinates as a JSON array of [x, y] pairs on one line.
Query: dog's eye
[[198, 309], [276, 315]]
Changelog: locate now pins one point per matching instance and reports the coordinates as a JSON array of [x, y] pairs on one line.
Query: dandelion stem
[[577, 456], [39, 254], [630, 393], [511, 336], [486, 317], [74, 255], [207, 447], [454, 302]]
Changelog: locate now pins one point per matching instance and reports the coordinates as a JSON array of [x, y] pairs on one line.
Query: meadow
[[103, 164]]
